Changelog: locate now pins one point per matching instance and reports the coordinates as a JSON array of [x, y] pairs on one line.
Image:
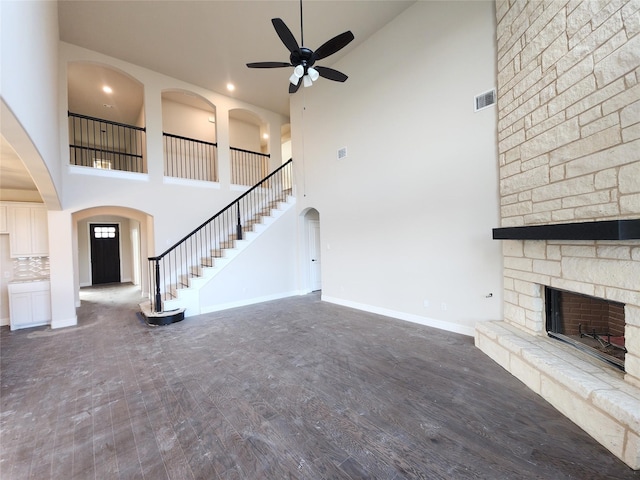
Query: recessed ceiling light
[[107, 89], [265, 135], [231, 87]]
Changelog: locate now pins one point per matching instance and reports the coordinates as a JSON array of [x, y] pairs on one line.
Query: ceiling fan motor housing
[[302, 56]]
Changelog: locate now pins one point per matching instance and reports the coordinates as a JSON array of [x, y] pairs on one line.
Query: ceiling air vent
[[342, 153], [485, 100]]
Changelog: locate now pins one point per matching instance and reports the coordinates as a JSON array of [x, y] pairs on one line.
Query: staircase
[[177, 275]]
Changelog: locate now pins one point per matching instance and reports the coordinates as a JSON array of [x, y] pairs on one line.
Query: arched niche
[[189, 136]]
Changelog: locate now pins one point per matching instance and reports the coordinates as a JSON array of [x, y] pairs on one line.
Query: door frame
[[95, 222], [306, 217], [313, 286]]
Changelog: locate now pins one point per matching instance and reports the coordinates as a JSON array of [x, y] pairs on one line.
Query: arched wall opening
[[106, 118], [86, 82], [19, 152], [189, 136], [250, 147], [248, 131], [136, 241]]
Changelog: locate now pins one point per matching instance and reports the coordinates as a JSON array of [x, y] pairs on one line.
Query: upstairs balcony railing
[[99, 143], [190, 158], [172, 269], [103, 144], [247, 167]]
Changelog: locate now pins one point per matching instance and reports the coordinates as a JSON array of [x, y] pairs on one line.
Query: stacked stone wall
[[569, 151]]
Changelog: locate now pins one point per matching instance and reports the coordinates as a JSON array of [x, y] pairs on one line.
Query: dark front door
[[105, 253]]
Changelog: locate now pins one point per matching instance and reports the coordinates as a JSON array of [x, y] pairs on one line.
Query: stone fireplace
[[569, 166]]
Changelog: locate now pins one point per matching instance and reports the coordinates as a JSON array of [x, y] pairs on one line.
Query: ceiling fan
[[303, 59]]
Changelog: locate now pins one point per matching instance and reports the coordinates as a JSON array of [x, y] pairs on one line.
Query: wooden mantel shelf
[[600, 230]]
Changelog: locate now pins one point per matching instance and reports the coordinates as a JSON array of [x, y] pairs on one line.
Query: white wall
[[187, 121], [244, 135], [407, 216], [265, 270], [286, 150], [29, 90]]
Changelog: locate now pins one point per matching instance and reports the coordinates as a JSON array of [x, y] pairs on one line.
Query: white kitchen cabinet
[[28, 230], [29, 304], [4, 228]]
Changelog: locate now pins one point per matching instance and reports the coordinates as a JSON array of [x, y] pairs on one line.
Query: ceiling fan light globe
[[307, 81], [294, 79], [313, 74], [298, 71]]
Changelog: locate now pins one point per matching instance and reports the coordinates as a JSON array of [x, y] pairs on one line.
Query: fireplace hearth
[[594, 325]]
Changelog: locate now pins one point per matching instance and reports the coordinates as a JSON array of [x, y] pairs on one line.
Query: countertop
[[29, 280]]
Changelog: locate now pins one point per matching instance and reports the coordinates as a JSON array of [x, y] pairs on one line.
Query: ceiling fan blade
[[331, 74], [332, 46], [285, 34], [268, 64], [294, 88]]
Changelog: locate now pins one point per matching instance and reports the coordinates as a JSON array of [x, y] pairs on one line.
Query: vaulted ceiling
[[208, 43]]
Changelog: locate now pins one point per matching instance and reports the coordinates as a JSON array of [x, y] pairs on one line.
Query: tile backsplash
[[30, 267]]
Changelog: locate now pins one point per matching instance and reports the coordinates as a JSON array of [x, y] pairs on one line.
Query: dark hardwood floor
[[290, 389]]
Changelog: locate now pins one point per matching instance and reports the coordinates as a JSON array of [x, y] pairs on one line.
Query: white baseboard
[[249, 301], [4, 322], [409, 317]]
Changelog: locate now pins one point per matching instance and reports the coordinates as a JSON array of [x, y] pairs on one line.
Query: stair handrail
[[157, 307], [234, 202]]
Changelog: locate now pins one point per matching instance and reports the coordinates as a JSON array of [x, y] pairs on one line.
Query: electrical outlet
[[426, 303], [443, 306]]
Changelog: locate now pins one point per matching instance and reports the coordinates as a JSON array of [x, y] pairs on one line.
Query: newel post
[[239, 225], [158, 302]]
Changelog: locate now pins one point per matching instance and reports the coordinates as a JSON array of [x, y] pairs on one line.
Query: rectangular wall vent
[[342, 153], [485, 100]]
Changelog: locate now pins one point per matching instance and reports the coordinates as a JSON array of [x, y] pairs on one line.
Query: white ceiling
[[208, 43], [205, 43]]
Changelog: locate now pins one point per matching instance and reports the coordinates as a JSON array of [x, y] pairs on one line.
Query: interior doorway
[[312, 260], [135, 243], [315, 278], [105, 253]]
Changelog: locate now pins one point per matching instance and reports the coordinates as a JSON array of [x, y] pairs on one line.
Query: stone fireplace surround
[[598, 397], [568, 124]]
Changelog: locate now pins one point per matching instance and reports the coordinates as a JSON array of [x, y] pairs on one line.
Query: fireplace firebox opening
[[594, 325]]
